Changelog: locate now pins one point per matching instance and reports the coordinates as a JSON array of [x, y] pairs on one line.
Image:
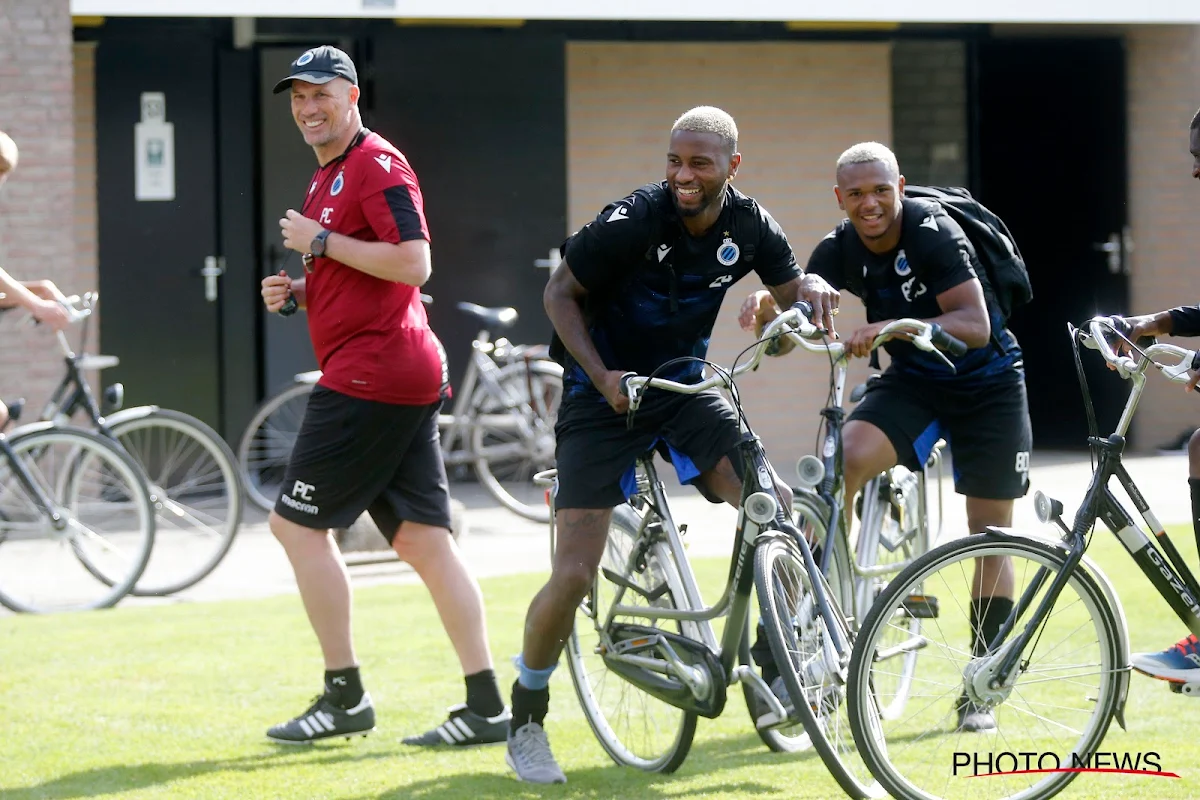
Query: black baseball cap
[[320, 65]]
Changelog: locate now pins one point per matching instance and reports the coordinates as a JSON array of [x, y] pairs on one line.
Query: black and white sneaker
[[465, 728], [325, 719]]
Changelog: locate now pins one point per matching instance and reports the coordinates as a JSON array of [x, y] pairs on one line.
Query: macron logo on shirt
[[929, 222], [619, 213], [385, 161]]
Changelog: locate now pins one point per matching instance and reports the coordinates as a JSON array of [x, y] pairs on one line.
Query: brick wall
[[798, 105], [1164, 201], [929, 111], [37, 203]]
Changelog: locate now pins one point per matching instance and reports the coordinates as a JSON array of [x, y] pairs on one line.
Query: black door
[[481, 116], [1051, 162], [159, 313]]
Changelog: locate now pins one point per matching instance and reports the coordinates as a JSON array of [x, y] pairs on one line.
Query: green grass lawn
[[173, 702]]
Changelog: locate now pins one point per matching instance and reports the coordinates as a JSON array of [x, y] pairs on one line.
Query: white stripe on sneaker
[[326, 719], [453, 731], [316, 722], [304, 726], [441, 731], [462, 726]]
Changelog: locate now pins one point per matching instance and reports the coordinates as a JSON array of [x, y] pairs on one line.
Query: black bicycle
[[1057, 672]]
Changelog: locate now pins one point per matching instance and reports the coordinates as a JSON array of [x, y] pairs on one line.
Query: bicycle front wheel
[[512, 434], [1058, 702], [634, 728], [197, 493], [807, 661], [105, 517], [267, 444]]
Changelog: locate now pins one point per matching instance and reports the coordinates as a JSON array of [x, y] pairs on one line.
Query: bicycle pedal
[[920, 606], [1189, 689]]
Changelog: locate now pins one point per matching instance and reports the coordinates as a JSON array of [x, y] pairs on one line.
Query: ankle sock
[[345, 686], [483, 693], [528, 705], [987, 616]]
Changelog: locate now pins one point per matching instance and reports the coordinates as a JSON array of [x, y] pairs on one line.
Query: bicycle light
[[1048, 509], [760, 508], [810, 471], [114, 398]]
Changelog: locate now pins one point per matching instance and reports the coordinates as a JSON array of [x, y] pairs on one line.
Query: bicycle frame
[[44, 503], [1170, 576]]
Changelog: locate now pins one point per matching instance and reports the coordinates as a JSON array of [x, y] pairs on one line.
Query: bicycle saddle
[[861, 389], [490, 317]]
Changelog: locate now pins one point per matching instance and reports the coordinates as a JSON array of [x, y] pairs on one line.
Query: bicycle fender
[[1110, 594], [127, 414], [307, 377]]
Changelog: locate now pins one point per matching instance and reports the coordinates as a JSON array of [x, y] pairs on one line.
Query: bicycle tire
[[263, 453], [801, 678], [874, 747], [173, 513], [623, 532], [85, 452], [793, 739], [534, 449]]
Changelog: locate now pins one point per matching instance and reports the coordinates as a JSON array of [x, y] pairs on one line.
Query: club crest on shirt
[[728, 252], [902, 266], [338, 183]]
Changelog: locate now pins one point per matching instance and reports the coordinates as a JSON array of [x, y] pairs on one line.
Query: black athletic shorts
[[597, 456], [987, 428], [357, 455]]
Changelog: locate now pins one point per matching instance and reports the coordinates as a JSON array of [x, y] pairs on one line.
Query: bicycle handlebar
[[796, 325], [1126, 366]]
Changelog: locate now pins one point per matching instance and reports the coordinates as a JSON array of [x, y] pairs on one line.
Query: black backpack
[[665, 231], [994, 245]]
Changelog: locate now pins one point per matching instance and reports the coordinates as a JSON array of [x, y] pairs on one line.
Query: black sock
[[483, 694], [987, 616], [529, 705], [761, 653], [345, 686], [1194, 485]]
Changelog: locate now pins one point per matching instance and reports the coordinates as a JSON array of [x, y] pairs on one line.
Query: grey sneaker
[[974, 718], [530, 757], [323, 720]]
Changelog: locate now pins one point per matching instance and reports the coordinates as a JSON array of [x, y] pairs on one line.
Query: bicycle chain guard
[[649, 642]]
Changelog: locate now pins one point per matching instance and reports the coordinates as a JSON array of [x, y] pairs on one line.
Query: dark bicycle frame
[[1170, 576]]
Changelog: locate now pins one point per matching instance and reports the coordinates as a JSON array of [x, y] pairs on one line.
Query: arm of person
[[964, 316], [401, 262], [45, 310], [563, 299]]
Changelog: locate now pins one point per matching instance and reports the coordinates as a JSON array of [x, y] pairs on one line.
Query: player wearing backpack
[[907, 257]]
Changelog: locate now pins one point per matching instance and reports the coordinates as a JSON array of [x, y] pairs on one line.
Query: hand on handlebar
[[824, 300], [52, 313], [862, 341], [610, 386]]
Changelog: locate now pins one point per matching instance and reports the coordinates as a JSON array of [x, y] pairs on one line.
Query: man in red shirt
[[369, 440]]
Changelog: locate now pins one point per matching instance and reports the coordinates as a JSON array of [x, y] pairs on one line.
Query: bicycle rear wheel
[[634, 728], [807, 662], [109, 520], [197, 491], [1060, 700], [512, 434], [266, 446]]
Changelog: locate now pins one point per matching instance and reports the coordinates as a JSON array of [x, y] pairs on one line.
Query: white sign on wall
[[154, 151]]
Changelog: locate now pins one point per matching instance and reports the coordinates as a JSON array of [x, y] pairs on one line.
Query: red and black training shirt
[[371, 336]]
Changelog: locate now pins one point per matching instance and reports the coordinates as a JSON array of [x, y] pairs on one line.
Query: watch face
[[318, 245]]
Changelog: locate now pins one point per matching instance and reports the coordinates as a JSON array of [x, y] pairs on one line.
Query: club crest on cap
[[304, 59]]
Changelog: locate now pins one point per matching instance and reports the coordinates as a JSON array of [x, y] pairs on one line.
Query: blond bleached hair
[[870, 153], [710, 119]]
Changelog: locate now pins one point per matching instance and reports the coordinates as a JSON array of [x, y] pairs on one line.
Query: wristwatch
[[318, 243]]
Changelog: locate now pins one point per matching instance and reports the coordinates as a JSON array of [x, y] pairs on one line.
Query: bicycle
[[1057, 672], [683, 673], [194, 483], [892, 509], [74, 508], [501, 423]]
